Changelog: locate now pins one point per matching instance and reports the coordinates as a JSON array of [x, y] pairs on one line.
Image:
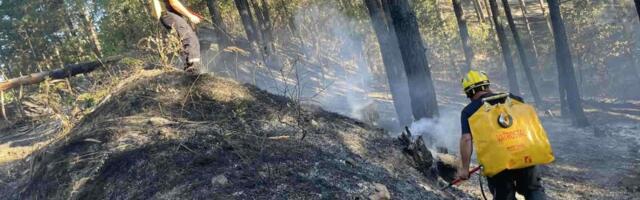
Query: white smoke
[[335, 41], [443, 131]]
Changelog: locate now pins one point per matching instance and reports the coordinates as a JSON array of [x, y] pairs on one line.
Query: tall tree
[[566, 75], [267, 26], [90, 28], [506, 50], [546, 17], [524, 59], [478, 8], [485, 5], [392, 60], [247, 20], [523, 8], [464, 34], [221, 32], [421, 89], [261, 11], [638, 7]]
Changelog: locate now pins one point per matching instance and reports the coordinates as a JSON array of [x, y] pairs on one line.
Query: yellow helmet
[[474, 79]]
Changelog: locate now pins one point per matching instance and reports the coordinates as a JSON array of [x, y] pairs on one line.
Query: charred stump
[[417, 151]]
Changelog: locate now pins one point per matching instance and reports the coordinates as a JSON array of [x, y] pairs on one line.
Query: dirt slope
[[164, 135]]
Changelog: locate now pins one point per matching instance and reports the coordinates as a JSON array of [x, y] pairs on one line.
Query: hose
[[481, 188]]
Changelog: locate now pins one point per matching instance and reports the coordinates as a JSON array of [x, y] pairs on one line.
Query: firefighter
[[504, 183], [172, 15]]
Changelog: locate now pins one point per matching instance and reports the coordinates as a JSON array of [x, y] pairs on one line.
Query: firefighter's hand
[[463, 174], [195, 19]]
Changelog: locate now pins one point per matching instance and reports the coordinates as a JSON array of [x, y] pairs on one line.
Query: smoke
[[443, 131], [335, 42]]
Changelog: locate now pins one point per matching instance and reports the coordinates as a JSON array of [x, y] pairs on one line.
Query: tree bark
[[565, 65], [91, 29], [264, 25], [65, 72], [638, 7], [247, 21], [485, 5], [4, 112], [546, 17], [267, 26], [478, 8], [634, 49], [392, 60], [221, 32], [421, 89], [523, 54], [506, 50], [523, 8], [464, 34]]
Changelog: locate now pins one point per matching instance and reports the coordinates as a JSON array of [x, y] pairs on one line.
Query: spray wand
[[458, 180]]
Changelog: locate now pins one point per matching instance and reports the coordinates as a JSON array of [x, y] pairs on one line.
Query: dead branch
[[67, 71]]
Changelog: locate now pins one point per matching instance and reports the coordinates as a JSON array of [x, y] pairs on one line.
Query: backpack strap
[[487, 106], [497, 96]]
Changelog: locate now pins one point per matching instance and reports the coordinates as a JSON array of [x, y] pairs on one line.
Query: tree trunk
[[634, 48], [523, 8], [288, 16], [565, 65], [506, 50], [421, 89], [264, 25], [485, 5], [220, 28], [638, 7], [91, 30], [476, 6], [464, 34], [267, 26], [392, 60], [247, 21], [546, 18], [564, 108], [4, 113], [523, 54], [65, 72]]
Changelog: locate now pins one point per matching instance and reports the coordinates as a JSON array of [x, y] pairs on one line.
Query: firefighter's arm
[[176, 5], [466, 149]]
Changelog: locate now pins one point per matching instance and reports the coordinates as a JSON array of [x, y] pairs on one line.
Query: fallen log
[[67, 71]]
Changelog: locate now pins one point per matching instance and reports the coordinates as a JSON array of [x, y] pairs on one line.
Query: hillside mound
[[164, 135]]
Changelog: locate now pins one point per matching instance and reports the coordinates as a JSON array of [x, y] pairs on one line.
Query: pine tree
[[524, 59], [421, 89], [392, 60], [506, 50], [566, 75], [464, 34]]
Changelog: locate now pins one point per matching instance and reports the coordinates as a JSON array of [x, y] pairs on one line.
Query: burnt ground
[[164, 135]]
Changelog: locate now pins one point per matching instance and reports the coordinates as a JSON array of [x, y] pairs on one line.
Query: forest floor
[[163, 135], [150, 137]]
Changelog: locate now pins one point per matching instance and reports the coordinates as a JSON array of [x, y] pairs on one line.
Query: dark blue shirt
[[475, 105]]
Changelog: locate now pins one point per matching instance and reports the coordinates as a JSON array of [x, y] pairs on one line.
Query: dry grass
[[162, 125]]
